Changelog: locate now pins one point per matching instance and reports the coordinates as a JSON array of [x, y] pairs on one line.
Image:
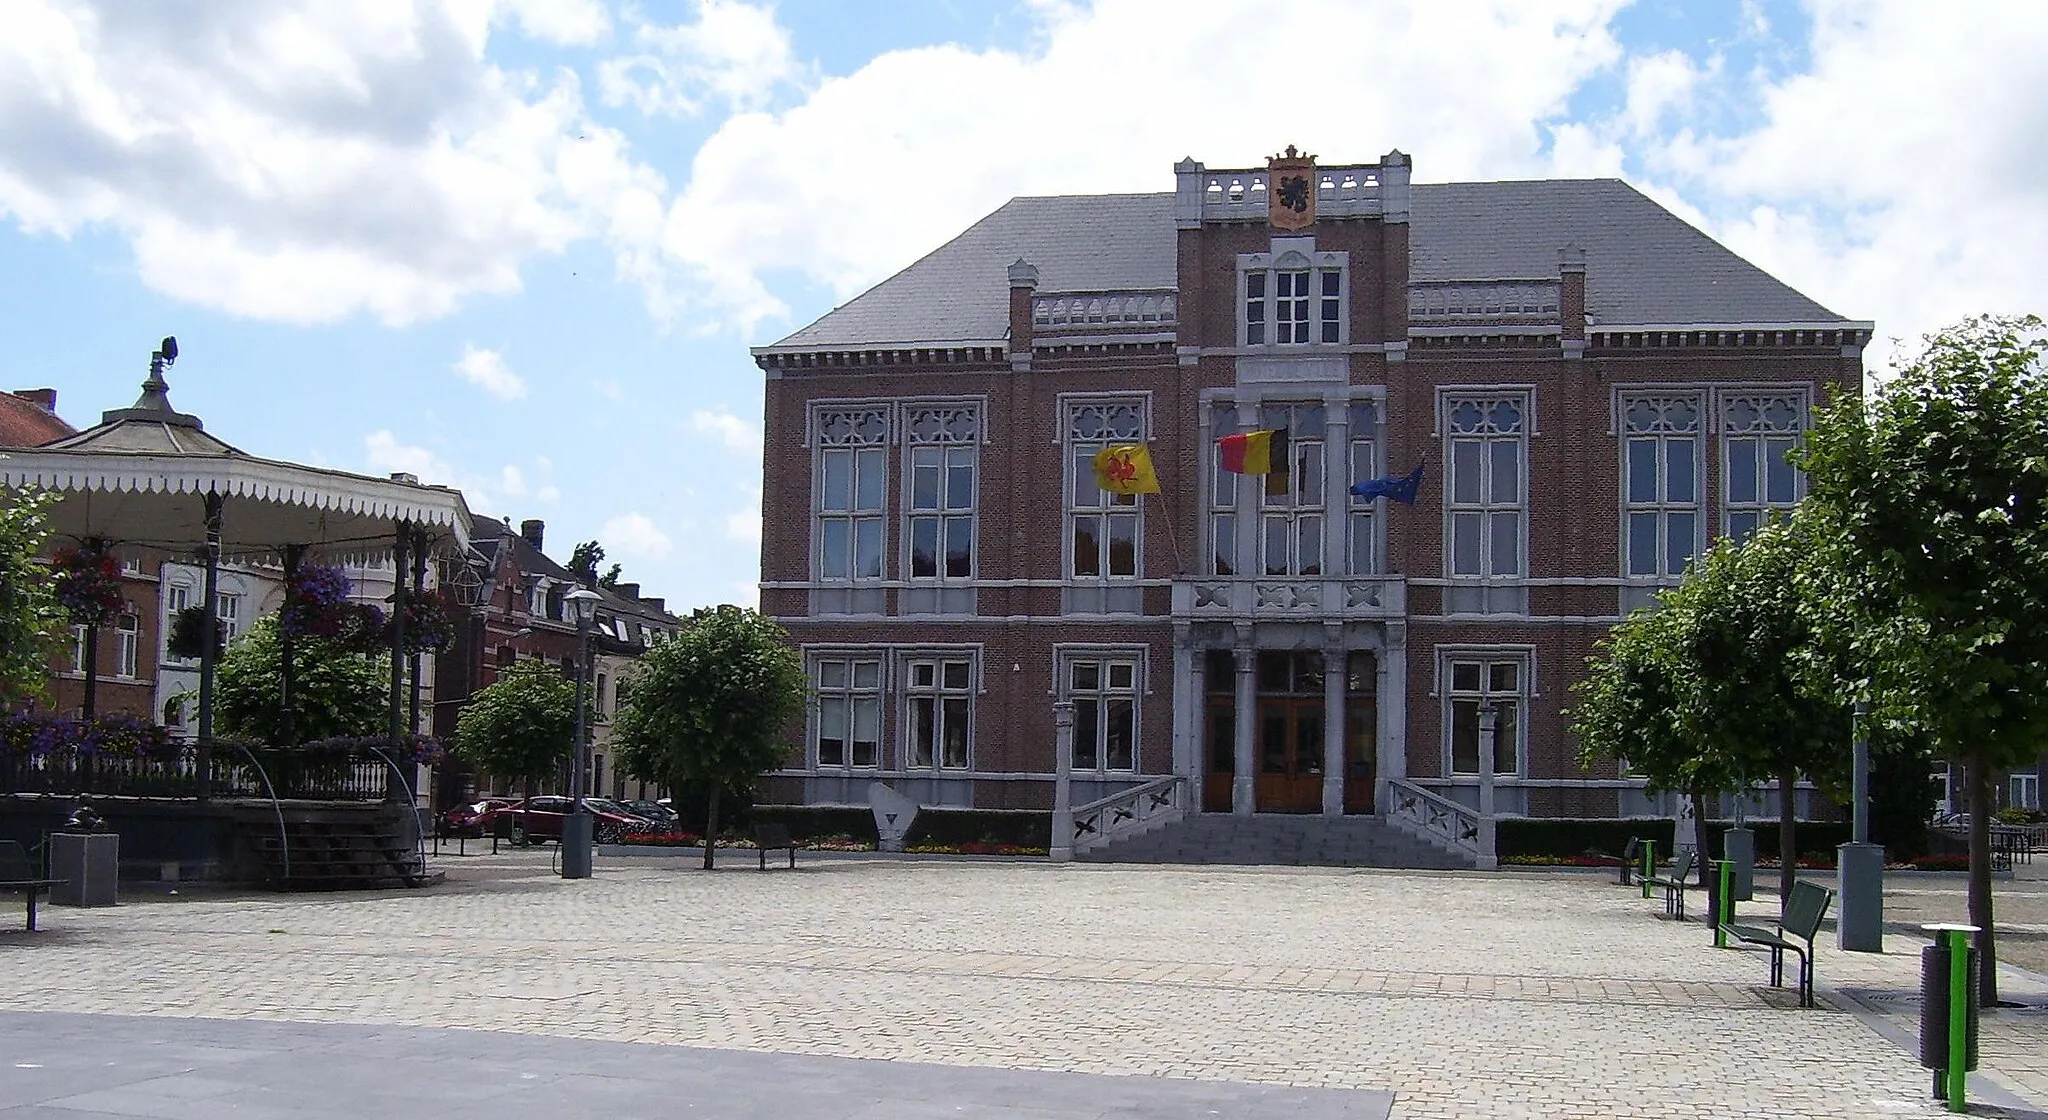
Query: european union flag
[[1399, 489]]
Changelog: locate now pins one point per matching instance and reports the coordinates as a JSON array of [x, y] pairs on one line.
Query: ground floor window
[[1104, 691], [1476, 682], [849, 727], [2026, 791], [938, 713]]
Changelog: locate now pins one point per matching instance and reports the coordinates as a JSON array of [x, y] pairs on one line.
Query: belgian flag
[[1261, 452]]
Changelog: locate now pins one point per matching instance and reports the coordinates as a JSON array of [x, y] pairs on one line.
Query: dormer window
[[1294, 297]]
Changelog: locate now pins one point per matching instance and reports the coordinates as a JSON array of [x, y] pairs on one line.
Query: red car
[[471, 820], [539, 819]]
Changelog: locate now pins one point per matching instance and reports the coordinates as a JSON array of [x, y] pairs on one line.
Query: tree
[[712, 704], [1770, 701], [523, 726], [1939, 484], [30, 619], [584, 559], [1634, 705], [335, 691]]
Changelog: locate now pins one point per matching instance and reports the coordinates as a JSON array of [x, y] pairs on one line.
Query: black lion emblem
[[1294, 193]]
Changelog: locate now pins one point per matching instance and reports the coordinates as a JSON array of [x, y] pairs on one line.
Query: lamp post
[[1859, 864], [577, 829]]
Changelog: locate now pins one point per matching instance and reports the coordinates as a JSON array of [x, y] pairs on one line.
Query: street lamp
[[577, 829], [1489, 746]]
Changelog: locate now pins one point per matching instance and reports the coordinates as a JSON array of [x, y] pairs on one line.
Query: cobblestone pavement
[[1511, 995]]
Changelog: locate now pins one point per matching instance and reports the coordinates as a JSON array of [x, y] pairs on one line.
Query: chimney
[[656, 604], [628, 591], [1023, 287], [532, 529], [1571, 300], [45, 399]]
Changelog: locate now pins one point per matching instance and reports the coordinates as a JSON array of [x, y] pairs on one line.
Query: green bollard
[[1958, 1018], [1649, 864], [1724, 900]]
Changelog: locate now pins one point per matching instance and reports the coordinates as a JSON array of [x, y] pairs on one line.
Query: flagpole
[[1180, 561]]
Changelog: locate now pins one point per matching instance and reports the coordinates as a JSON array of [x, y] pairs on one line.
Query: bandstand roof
[[139, 477]]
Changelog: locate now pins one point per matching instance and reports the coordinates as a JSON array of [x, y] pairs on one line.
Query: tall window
[[1291, 502], [177, 597], [942, 457], [126, 632], [230, 615], [1102, 537], [1222, 515], [1758, 432], [78, 649], [1476, 682], [597, 704], [1362, 555], [1486, 437], [851, 482], [1660, 484], [1294, 300], [1104, 692], [849, 712], [938, 714]]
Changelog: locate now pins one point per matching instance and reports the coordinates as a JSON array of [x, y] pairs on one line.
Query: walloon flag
[[1126, 469]]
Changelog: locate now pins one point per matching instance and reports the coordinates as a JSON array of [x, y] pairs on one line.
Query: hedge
[[1019, 827], [1558, 836]]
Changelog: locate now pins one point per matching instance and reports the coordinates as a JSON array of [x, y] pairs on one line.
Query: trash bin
[[89, 863], [1934, 1009]]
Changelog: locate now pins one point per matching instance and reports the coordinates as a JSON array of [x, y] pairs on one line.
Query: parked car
[[539, 819], [640, 822], [664, 818], [472, 819]]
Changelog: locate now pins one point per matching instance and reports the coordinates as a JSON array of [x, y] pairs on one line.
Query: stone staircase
[[314, 847], [1301, 841]]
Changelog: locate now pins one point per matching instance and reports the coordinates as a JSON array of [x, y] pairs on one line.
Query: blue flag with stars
[[1399, 489]]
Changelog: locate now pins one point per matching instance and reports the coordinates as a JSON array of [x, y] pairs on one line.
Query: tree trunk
[[1699, 836], [711, 823], [1980, 877], [1788, 834]]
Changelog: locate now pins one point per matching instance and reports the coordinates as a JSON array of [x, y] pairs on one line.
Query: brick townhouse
[[1593, 388]]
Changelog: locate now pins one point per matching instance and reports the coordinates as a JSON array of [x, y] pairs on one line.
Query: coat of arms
[[1291, 190]]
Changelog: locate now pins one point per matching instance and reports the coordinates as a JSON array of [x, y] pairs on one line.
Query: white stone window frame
[[127, 645], [1302, 503], [1364, 512], [852, 692], [852, 429], [1291, 254], [1220, 516], [1664, 432], [1753, 513], [1449, 398], [1449, 694], [2023, 791], [921, 443], [1104, 656], [178, 594], [912, 686], [1077, 451]]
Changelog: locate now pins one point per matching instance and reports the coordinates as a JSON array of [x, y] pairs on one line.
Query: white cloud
[[385, 455], [875, 168], [568, 23], [548, 494], [487, 370], [731, 430], [512, 481], [306, 162], [634, 535], [733, 53], [745, 527], [1898, 176]]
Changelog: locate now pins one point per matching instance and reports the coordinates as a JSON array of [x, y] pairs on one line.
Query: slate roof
[[24, 423], [1644, 265]]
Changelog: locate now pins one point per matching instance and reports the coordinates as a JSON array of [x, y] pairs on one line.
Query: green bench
[[1801, 919], [18, 874], [1674, 884], [1631, 855], [770, 838]]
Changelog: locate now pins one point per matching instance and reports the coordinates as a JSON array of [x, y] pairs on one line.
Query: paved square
[[1509, 995]]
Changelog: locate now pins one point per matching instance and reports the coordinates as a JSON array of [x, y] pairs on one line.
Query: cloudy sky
[[521, 246]]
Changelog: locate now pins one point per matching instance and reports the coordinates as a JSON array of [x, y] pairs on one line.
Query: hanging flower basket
[[187, 636], [363, 628], [426, 625], [33, 734], [315, 602], [88, 584]]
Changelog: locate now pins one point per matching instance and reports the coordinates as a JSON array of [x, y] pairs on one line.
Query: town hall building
[[1593, 389]]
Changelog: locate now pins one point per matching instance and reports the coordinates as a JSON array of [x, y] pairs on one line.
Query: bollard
[[1723, 908], [1649, 864], [1948, 1011]]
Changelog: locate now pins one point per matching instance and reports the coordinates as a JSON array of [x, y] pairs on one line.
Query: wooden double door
[[1288, 754]]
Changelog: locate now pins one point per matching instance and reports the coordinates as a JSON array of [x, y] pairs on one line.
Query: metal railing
[[1439, 820], [1138, 809], [281, 773]]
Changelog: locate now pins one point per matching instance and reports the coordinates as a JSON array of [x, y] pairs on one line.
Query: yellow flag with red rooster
[[1126, 469]]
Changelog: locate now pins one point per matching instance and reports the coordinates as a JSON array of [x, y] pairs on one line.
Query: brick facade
[[1563, 346]]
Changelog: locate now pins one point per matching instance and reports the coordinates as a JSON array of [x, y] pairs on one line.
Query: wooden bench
[[1801, 919], [1631, 855], [1674, 884], [773, 837], [18, 874]]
